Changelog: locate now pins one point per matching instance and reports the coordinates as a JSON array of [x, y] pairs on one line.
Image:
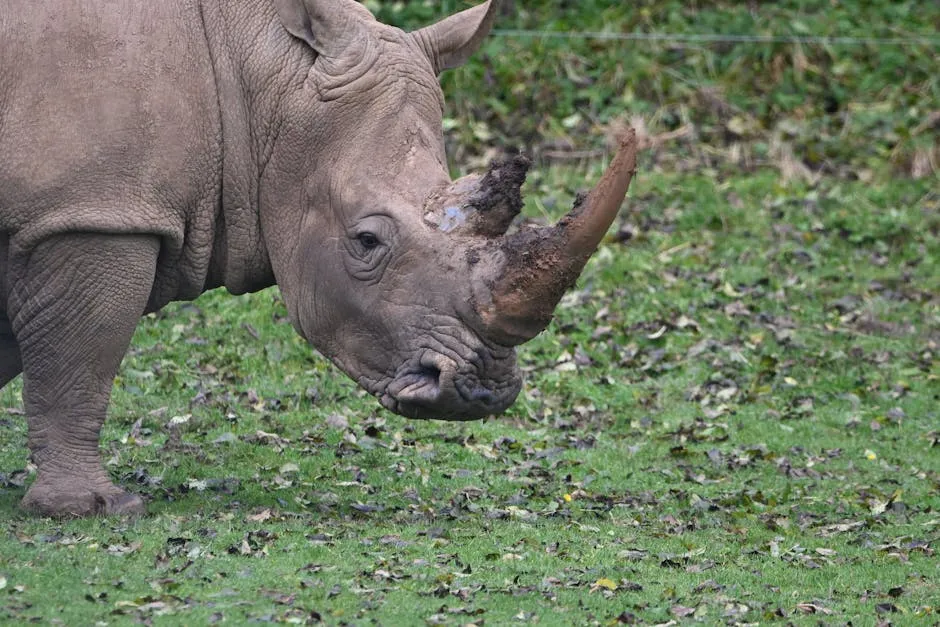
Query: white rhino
[[150, 151]]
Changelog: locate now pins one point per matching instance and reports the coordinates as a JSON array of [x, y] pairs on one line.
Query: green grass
[[734, 418]]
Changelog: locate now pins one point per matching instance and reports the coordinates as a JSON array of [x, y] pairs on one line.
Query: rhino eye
[[369, 246], [369, 241]]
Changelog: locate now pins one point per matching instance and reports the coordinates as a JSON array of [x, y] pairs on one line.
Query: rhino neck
[[243, 63]]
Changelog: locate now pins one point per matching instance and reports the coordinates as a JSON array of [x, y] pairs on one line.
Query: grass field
[[735, 417]]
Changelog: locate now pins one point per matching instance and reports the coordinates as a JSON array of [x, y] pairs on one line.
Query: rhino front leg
[[75, 302]]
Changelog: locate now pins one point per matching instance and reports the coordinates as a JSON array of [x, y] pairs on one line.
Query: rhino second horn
[[542, 264], [498, 199], [480, 206]]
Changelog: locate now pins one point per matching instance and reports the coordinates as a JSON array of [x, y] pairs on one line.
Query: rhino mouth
[[436, 388]]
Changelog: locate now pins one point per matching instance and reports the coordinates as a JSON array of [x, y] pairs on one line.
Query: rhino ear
[[331, 27], [450, 42]]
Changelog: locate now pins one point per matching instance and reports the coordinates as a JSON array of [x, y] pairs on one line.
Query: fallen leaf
[[681, 611], [813, 608], [337, 421], [260, 516]]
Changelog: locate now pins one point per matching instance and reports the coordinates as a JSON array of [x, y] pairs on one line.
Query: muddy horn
[[542, 264]]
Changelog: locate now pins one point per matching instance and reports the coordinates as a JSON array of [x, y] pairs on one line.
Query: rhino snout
[[436, 387]]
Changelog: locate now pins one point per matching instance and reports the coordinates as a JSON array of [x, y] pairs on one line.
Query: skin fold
[[150, 151]]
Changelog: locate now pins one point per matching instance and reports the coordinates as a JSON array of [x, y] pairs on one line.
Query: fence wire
[[731, 39]]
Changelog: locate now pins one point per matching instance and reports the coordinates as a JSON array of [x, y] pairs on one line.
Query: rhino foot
[[75, 499]]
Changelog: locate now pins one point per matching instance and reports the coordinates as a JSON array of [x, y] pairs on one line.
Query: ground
[[734, 417]]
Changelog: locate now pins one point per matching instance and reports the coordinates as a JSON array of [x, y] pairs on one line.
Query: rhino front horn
[[541, 264]]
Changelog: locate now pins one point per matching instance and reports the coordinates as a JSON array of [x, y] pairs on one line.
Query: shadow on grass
[[10, 502]]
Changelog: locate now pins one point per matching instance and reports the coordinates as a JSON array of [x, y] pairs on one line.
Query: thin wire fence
[[703, 38]]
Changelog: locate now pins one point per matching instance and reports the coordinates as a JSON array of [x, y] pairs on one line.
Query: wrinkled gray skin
[[150, 151]]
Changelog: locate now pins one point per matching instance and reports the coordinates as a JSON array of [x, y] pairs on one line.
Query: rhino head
[[402, 277]]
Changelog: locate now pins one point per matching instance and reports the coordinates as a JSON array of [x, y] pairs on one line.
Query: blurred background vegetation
[[851, 109]]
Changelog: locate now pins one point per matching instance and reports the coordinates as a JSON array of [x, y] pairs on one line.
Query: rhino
[[150, 151]]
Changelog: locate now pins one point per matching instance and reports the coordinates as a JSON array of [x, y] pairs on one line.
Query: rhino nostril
[[422, 386], [431, 374]]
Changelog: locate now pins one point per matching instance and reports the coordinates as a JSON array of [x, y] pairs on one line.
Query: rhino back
[[109, 123]]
